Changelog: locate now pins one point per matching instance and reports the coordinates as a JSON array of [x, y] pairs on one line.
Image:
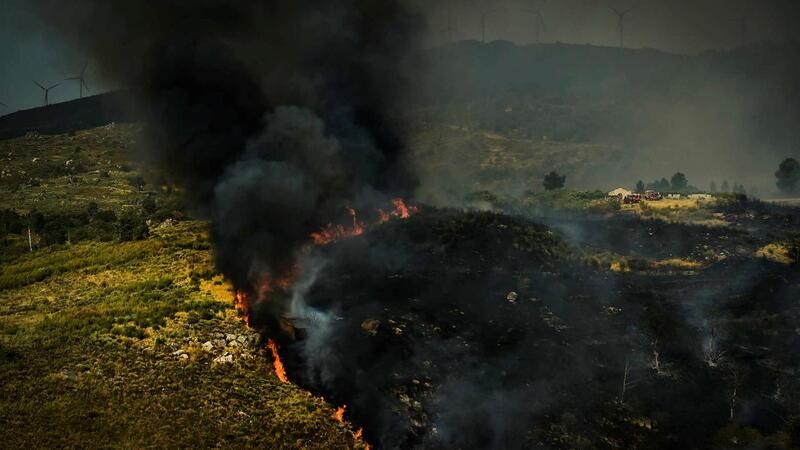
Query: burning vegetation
[[443, 328]]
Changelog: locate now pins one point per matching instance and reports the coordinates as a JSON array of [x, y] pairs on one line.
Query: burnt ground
[[480, 330]]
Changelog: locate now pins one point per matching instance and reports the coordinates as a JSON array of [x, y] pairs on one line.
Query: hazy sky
[[683, 26], [29, 51]]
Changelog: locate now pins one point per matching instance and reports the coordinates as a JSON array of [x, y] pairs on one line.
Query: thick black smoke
[[274, 116]]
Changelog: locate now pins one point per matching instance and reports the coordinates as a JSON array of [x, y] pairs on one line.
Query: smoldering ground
[[428, 347], [276, 116]]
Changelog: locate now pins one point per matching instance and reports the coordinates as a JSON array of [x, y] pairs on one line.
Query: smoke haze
[[273, 116]]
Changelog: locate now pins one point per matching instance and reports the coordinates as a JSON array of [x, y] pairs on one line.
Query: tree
[[679, 182], [640, 186], [554, 181], [661, 185], [788, 176], [712, 187]]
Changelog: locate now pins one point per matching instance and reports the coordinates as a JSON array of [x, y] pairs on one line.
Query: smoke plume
[[274, 116]]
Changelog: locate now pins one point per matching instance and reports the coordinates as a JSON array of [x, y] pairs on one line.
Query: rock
[[230, 337], [370, 326], [184, 356], [224, 359], [511, 297], [242, 339], [234, 344], [208, 346], [219, 343]]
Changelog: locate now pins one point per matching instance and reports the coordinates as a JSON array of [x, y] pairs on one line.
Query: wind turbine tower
[[538, 19], [484, 12], [81, 79], [46, 91], [621, 22]]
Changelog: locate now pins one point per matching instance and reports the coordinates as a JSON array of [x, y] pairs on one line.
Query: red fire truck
[[632, 198]]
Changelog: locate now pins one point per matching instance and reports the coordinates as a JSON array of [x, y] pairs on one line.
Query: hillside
[[115, 327], [88, 112], [649, 113]]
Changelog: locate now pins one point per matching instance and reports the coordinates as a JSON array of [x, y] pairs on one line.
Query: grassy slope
[[101, 342], [457, 160]]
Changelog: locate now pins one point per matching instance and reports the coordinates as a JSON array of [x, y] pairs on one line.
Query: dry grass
[[101, 343], [777, 252]]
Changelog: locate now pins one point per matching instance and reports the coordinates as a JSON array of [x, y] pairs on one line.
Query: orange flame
[[280, 371], [359, 435], [339, 414], [242, 304], [400, 209], [331, 233], [358, 227], [382, 216]]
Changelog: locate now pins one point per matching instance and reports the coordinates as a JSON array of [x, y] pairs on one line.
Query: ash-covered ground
[[481, 330]]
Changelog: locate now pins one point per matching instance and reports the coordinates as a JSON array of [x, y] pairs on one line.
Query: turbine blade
[[55, 85], [3, 105], [73, 78], [38, 84]]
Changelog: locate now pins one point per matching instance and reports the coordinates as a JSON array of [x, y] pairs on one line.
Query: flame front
[[280, 371], [339, 414], [401, 210], [242, 304], [331, 233]]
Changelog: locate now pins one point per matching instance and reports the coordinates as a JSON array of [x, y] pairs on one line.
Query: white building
[[620, 193]]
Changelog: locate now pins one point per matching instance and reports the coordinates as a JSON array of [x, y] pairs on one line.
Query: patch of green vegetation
[[101, 335], [545, 202], [89, 256]]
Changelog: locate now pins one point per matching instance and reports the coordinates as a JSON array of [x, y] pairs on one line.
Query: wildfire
[[331, 232], [242, 304], [401, 210], [358, 227], [383, 217], [280, 371], [339, 414], [359, 434]]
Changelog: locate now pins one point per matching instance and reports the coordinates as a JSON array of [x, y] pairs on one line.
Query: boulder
[[370, 326]]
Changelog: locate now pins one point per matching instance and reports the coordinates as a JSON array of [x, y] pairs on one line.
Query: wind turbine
[[81, 79], [538, 18], [3, 105], [46, 91], [621, 22], [483, 12]]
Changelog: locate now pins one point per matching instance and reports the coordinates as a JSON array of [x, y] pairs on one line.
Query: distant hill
[[79, 114], [582, 92], [724, 115]]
